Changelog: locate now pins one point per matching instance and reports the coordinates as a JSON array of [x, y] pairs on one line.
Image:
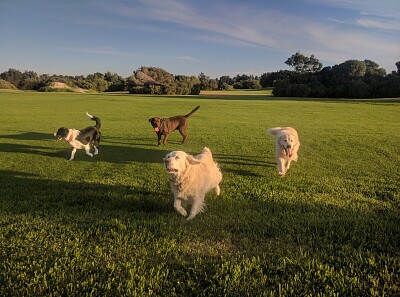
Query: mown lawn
[[105, 226]]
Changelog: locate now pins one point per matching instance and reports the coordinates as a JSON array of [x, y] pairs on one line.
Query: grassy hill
[[5, 85]]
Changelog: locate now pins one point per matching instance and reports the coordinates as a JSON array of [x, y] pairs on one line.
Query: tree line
[[145, 80], [350, 79]]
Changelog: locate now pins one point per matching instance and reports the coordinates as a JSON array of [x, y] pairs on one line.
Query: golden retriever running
[[287, 145], [191, 177]]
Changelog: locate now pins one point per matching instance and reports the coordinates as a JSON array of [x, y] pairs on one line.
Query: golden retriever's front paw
[[182, 212], [281, 173]]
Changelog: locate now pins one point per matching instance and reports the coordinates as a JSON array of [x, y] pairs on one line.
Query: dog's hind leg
[[184, 135], [96, 143], [165, 138], [87, 150]]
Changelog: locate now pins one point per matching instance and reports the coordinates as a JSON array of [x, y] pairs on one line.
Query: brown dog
[[168, 125]]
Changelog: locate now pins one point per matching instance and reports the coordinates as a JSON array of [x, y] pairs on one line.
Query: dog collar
[[70, 137]]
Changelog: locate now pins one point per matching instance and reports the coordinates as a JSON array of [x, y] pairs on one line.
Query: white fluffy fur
[[191, 177], [287, 145]]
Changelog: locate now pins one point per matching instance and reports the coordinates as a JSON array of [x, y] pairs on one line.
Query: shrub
[[50, 89]]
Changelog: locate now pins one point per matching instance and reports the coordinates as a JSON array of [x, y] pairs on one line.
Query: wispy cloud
[[382, 8], [247, 25], [371, 14], [226, 22], [374, 23], [101, 51], [186, 58]]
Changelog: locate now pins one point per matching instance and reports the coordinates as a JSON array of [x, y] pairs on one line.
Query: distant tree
[[372, 68], [398, 67], [152, 80], [213, 84], [204, 81], [186, 85], [159, 75], [271, 78], [351, 68], [112, 77], [115, 82], [13, 76], [224, 81], [245, 81], [304, 64], [96, 82], [358, 89]]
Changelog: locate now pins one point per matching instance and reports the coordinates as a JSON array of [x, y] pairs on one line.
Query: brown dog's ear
[[192, 161], [150, 120]]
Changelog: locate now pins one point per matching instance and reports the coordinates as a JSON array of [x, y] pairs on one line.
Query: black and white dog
[[82, 139]]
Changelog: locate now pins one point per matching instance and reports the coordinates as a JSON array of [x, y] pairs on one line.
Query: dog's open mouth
[[172, 170], [288, 152], [156, 129]]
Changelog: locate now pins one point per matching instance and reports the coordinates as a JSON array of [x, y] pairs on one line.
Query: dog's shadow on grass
[[127, 154], [246, 164], [28, 135], [22, 192], [111, 150]]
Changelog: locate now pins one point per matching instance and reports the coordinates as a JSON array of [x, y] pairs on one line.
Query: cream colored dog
[[287, 145], [191, 177]]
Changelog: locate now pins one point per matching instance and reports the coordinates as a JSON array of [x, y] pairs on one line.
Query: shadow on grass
[[314, 225], [243, 160], [30, 149], [22, 193], [28, 135], [247, 163], [252, 239], [112, 149]]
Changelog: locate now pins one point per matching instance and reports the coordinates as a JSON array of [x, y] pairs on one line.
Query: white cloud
[[373, 23], [382, 8]]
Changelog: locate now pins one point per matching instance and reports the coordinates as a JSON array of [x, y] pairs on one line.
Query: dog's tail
[[206, 150], [274, 131], [192, 112], [96, 119]]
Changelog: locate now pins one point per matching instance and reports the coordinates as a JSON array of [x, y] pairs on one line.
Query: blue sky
[[218, 37]]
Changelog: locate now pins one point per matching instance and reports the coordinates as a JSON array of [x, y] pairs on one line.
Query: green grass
[[105, 226]]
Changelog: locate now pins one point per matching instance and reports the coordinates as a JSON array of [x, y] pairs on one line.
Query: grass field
[[105, 226]]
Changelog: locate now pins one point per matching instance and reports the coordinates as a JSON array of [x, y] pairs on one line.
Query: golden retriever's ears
[[192, 161]]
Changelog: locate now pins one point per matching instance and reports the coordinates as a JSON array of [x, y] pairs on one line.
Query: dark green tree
[[304, 64], [204, 81]]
